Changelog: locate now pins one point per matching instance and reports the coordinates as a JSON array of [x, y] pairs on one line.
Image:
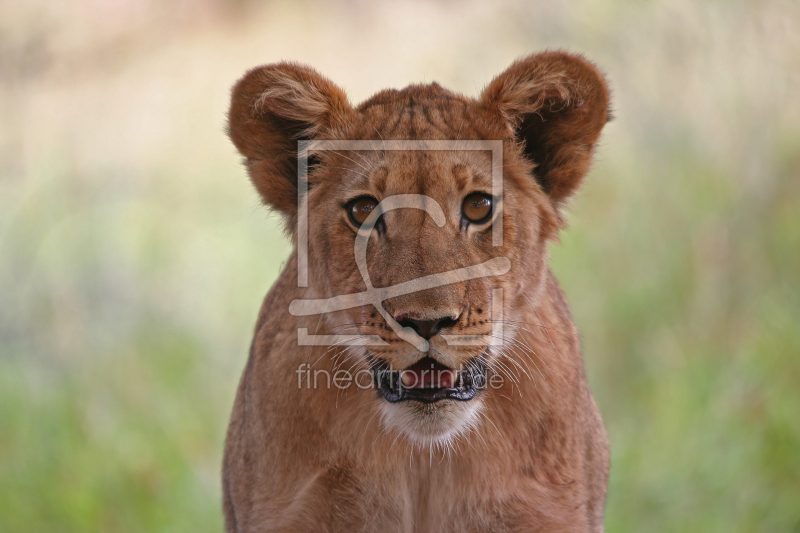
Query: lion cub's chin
[[432, 424]]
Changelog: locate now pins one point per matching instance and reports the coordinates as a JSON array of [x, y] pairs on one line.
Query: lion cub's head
[[421, 218]]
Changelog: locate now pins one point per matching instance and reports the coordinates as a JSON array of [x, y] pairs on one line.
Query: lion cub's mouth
[[429, 381]]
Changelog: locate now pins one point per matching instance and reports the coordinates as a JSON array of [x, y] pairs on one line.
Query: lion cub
[[415, 368]]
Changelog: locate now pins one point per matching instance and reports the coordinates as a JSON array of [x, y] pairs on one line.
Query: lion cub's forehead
[[433, 173], [417, 114], [425, 113]]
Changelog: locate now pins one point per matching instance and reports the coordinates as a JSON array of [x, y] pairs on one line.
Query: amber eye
[[477, 207], [360, 208]]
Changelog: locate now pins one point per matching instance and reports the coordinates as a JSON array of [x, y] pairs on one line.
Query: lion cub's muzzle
[[429, 381]]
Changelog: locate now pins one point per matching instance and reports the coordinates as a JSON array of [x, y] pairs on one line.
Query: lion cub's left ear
[[556, 104], [272, 107]]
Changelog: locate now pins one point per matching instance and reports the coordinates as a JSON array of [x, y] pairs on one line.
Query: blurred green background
[[134, 254]]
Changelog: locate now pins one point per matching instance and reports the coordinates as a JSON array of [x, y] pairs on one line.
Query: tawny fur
[[531, 455]]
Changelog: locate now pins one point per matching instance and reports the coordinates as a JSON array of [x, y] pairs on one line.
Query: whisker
[[381, 136], [509, 321], [537, 356], [352, 160], [356, 172]]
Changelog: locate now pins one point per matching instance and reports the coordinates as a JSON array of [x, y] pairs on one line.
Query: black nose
[[428, 328]]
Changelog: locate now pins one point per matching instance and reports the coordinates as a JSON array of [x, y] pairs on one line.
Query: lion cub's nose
[[427, 328]]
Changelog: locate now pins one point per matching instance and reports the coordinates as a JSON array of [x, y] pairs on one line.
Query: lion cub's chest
[[423, 498]]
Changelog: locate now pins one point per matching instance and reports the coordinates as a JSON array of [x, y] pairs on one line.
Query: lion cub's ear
[[272, 107], [556, 104]]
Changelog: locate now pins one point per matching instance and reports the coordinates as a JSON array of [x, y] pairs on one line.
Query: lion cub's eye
[[477, 207], [360, 208]]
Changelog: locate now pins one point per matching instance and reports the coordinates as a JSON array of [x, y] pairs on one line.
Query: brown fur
[[533, 455]]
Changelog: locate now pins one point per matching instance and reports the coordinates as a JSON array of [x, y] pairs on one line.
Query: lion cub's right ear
[[272, 107]]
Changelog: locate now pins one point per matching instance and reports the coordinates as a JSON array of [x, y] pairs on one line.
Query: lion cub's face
[[436, 249], [437, 337]]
